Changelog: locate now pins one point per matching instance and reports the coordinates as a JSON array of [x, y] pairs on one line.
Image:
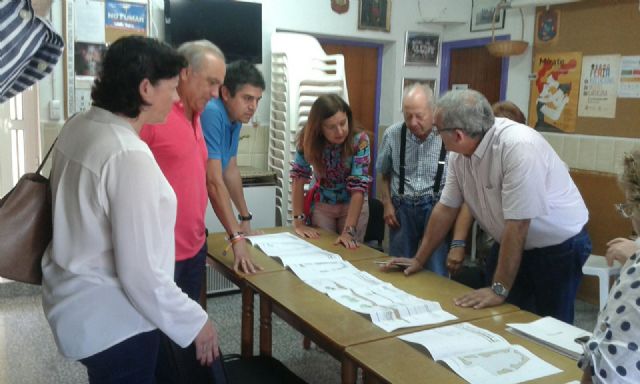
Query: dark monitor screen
[[234, 26]]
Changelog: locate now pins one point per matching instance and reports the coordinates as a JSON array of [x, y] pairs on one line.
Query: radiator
[[216, 283]]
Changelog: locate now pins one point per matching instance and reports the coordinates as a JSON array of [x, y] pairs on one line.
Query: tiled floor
[[28, 353]]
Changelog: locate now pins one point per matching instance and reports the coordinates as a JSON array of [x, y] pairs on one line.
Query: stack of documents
[[389, 307], [481, 356], [554, 334]]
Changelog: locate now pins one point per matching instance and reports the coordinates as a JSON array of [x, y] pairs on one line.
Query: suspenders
[[439, 172]]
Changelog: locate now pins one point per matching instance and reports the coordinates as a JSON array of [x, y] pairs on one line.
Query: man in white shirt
[[521, 193]]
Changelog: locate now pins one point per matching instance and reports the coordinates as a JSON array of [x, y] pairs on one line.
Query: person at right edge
[[521, 193], [611, 354]]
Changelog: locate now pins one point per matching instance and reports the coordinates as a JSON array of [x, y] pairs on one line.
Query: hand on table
[[347, 240], [245, 227], [480, 298], [242, 258], [306, 231]]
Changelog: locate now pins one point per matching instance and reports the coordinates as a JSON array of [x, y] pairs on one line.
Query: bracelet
[[349, 230], [300, 217], [245, 218], [235, 238], [235, 235], [457, 244]]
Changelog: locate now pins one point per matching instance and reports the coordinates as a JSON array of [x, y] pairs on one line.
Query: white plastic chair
[[597, 266]]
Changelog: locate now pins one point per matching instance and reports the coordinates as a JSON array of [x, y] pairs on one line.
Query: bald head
[[417, 108]]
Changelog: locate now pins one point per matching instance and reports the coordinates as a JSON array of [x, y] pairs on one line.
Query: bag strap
[[46, 157], [403, 145], [436, 184]]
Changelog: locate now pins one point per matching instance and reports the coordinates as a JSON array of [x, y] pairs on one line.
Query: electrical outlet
[[55, 110]]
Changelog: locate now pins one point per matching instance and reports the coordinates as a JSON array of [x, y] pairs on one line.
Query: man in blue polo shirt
[[222, 120]]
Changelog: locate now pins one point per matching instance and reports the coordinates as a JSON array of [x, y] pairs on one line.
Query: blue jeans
[[189, 273], [413, 215], [548, 278], [130, 361]]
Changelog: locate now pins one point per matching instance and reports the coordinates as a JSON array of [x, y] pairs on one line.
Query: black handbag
[[26, 227]]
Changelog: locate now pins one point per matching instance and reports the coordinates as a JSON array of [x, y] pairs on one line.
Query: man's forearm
[[511, 247], [385, 188], [233, 183], [219, 197], [440, 222]]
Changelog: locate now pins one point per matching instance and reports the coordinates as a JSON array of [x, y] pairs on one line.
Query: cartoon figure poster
[[599, 86], [555, 91]]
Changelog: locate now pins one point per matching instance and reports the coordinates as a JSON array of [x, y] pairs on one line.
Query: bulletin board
[[90, 26], [600, 27]]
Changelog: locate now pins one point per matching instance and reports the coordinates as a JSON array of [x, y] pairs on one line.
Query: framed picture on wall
[[375, 15], [482, 12], [421, 48], [408, 81]]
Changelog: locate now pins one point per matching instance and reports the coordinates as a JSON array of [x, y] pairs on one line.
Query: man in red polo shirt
[[179, 148]]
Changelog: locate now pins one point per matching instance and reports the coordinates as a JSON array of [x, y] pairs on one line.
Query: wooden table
[[334, 327], [217, 242], [395, 361]]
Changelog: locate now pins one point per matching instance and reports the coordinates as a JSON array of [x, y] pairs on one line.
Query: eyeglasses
[[437, 130], [625, 210]]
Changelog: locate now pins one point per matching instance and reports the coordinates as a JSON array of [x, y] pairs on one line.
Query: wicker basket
[[507, 47], [503, 48]]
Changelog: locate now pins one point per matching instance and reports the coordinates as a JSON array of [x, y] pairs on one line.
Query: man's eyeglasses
[[625, 210], [437, 130]]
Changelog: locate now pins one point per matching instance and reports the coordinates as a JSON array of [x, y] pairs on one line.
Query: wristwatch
[[500, 290], [245, 218]]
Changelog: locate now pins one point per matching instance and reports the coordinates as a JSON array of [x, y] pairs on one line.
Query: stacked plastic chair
[[300, 72]]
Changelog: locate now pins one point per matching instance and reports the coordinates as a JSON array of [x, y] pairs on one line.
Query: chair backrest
[[375, 225]]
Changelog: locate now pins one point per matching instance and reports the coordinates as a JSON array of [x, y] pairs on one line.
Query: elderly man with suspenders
[[412, 162]]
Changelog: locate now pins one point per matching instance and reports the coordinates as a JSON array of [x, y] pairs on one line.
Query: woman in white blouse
[[612, 354], [108, 288]]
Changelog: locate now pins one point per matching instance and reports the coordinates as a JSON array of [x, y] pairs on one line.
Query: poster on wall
[[555, 92], [629, 84], [89, 21], [599, 86], [124, 18]]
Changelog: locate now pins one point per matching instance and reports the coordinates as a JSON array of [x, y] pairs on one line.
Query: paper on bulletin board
[[629, 85], [599, 86], [554, 93], [89, 21]]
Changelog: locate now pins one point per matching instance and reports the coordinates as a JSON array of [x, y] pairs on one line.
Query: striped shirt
[[29, 47], [421, 161]]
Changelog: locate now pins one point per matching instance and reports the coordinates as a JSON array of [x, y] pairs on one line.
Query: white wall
[[315, 17]]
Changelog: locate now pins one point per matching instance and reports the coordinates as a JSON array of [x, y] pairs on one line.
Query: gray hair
[[420, 87], [467, 110], [630, 178], [194, 52]]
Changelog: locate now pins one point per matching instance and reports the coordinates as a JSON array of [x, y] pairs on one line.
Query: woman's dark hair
[[240, 73], [311, 139], [125, 64], [509, 110]]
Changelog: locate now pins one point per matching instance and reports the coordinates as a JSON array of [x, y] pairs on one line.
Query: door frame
[[448, 46], [376, 118]]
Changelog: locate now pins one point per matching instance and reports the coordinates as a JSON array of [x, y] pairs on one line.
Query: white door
[[19, 138]]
